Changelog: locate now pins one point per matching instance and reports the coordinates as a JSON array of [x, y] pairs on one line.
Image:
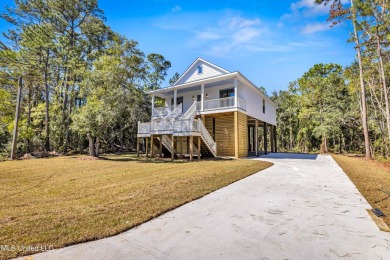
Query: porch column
[[173, 148], [151, 146], [191, 147], [276, 142], [152, 103], [272, 138], [199, 141], [181, 147], [147, 147], [138, 146], [236, 135], [235, 92], [256, 133], [160, 146], [265, 138], [201, 97], [174, 98]]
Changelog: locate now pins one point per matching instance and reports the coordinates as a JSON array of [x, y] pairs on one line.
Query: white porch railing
[[144, 128], [162, 125], [222, 103], [186, 125], [161, 111]]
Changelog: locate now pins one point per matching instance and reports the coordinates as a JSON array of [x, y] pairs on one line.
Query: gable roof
[[193, 65]]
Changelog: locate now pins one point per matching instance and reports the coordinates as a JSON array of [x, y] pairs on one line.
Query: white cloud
[[176, 8], [246, 35], [240, 22], [231, 34], [228, 34], [315, 27], [208, 35], [308, 8]]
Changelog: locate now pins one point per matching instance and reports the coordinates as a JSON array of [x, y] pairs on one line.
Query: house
[[209, 111]]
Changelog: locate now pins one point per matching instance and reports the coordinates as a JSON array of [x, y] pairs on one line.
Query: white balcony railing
[[161, 111], [144, 128], [222, 103], [162, 125]]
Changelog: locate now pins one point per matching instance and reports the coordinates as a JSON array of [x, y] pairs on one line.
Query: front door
[[179, 100]]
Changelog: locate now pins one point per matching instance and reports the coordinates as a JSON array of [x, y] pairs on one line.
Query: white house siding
[[254, 106], [253, 98], [192, 74]]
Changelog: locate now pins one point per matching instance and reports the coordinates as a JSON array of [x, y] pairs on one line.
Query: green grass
[[65, 200]]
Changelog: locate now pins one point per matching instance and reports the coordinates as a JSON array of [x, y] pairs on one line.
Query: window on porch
[[223, 93]]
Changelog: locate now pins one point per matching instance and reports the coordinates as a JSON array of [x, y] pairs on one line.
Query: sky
[[271, 42]]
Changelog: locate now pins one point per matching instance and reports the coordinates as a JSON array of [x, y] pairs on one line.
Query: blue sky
[[272, 42]]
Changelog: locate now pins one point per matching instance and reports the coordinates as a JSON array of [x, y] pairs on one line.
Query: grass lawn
[[369, 177], [65, 200]]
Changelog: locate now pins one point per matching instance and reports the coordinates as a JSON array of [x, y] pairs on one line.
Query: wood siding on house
[[242, 135], [224, 133]]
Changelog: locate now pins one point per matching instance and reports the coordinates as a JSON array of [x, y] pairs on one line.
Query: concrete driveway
[[303, 207]]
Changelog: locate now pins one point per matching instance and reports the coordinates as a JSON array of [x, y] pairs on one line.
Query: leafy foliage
[[82, 82]]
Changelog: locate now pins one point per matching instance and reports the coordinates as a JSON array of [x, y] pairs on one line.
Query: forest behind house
[[83, 87]]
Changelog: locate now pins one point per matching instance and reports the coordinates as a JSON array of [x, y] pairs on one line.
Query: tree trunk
[[47, 117], [362, 85], [16, 126], [29, 107], [97, 144], [67, 124], [385, 92], [91, 145]]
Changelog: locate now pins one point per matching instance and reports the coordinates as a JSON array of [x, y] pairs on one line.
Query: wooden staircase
[[204, 149], [166, 151]]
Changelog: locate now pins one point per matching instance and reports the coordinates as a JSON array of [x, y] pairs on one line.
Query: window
[[226, 93], [199, 98], [263, 105], [200, 69]]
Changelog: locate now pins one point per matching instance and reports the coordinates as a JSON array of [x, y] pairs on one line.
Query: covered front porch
[[221, 93]]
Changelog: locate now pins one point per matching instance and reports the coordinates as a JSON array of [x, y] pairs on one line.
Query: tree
[[336, 12], [157, 66], [174, 78], [73, 65]]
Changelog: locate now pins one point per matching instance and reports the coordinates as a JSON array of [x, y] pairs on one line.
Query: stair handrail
[[166, 142], [190, 112], [175, 112], [207, 137]]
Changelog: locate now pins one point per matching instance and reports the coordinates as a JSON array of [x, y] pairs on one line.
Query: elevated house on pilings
[[209, 111]]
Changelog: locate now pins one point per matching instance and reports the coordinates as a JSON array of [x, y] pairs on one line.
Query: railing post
[[174, 98], [152, 104], [235, 92], [199, 124], [201, 97]]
